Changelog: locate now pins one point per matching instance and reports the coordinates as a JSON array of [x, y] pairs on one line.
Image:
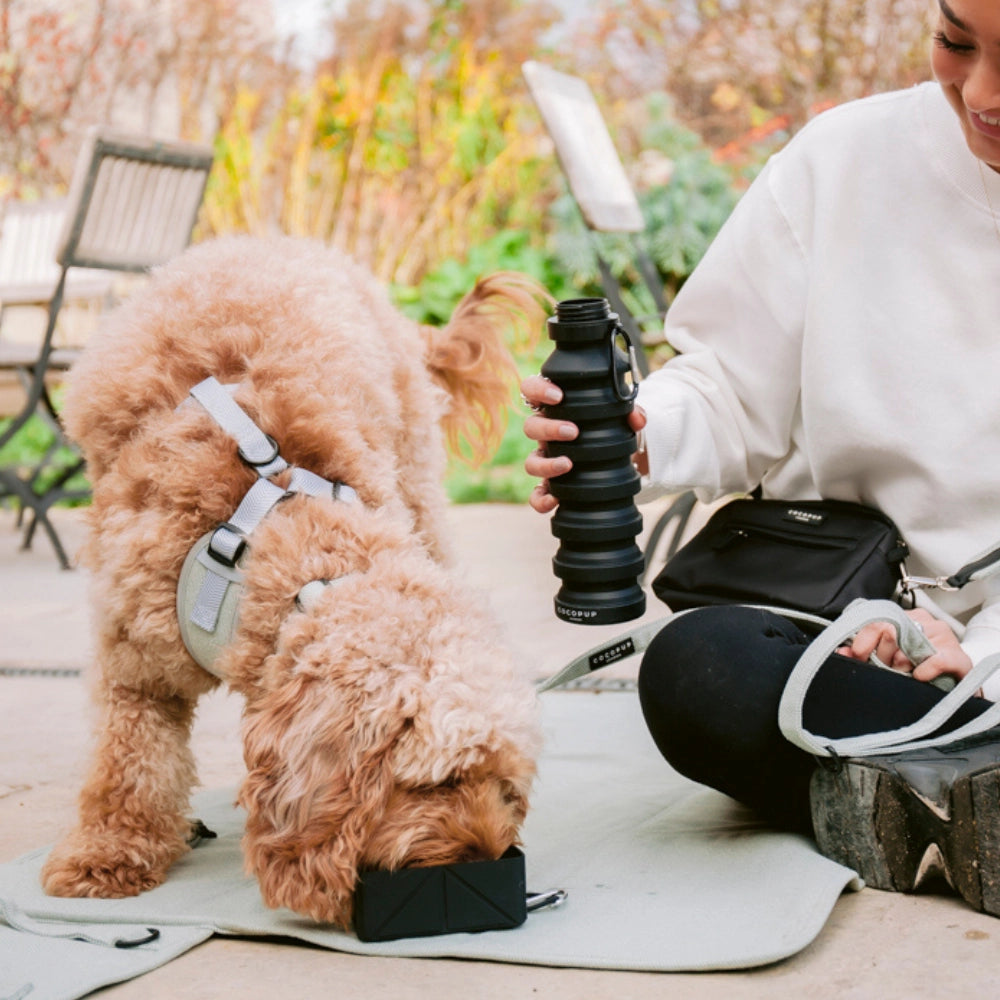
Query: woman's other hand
[[880, 638]]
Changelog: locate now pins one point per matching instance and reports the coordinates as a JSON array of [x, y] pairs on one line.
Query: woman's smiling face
[[966, 62]]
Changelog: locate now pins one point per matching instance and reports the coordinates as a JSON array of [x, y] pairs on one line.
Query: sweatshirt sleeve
[[721, 413], [982, 635]]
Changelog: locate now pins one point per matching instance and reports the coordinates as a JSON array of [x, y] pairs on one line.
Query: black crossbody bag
[[810, 558], [815, 556]]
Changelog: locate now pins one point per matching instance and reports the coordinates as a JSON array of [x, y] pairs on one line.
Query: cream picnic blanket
[[661, 875]]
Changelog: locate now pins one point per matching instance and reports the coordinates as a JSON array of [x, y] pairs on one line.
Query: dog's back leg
[[131, 824]]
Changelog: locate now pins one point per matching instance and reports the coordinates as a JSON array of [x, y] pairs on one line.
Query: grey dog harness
[[211, 581]]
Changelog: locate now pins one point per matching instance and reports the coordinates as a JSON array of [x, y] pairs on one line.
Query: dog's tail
[[471, 360]]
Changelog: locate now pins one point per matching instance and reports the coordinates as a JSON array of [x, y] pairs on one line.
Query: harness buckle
[[231, 545]]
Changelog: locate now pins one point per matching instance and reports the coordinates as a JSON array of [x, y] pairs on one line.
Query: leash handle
[[915, 645]]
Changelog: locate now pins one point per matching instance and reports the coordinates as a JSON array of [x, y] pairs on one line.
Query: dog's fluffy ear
[[469, 357], [317, 784]]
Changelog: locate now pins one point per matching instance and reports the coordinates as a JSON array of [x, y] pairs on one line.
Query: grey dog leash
[[637, 640], [833, 635], [915, 645], [621, 647]]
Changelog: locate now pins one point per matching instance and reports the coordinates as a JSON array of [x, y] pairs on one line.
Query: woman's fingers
[[537, 390], [880, 639], [540, 428], [541, 500], [539, 464]]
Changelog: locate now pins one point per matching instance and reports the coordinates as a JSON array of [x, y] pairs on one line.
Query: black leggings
[[710, 684]]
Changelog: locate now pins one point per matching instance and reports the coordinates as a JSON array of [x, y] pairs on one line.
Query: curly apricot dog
[[385, 725]]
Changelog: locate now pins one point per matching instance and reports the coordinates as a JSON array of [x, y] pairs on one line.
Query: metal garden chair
[[132, 205]]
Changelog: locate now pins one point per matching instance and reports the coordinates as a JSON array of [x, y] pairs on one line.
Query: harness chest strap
[[227, 543], [255, 447], [211, 581]]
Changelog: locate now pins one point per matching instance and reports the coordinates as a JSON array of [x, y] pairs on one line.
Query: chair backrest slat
[[29, 235], [133, 202], [132, 205], [27, 245]]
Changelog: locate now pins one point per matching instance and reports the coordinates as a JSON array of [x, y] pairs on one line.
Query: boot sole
[[899, 821]]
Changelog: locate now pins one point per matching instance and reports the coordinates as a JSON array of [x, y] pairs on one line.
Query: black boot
[[900, 819]]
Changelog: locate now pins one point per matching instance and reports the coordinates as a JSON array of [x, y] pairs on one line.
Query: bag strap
[[915, 645], [984, 565]]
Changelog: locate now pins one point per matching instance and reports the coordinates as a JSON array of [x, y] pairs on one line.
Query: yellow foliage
[[726, 97], [399, 168]]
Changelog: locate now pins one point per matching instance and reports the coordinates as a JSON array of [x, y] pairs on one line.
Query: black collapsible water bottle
[[597, 521]]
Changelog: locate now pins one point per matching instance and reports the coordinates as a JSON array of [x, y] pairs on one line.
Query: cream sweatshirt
[[841, 339]]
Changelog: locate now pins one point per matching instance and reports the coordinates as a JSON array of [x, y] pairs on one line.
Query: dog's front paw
[[103, 869]]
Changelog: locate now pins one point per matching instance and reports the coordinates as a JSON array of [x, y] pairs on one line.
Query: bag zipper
[[735, 533]]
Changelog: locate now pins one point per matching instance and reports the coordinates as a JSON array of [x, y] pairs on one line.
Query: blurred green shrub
[[33, 443], [502, 479]]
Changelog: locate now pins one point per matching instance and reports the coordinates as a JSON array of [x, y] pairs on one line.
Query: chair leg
[[679, 511], [24, 487], [42, 517], [39, 507], [40, 502]]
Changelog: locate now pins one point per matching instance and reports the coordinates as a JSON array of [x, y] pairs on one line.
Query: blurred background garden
[[403, 132]]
